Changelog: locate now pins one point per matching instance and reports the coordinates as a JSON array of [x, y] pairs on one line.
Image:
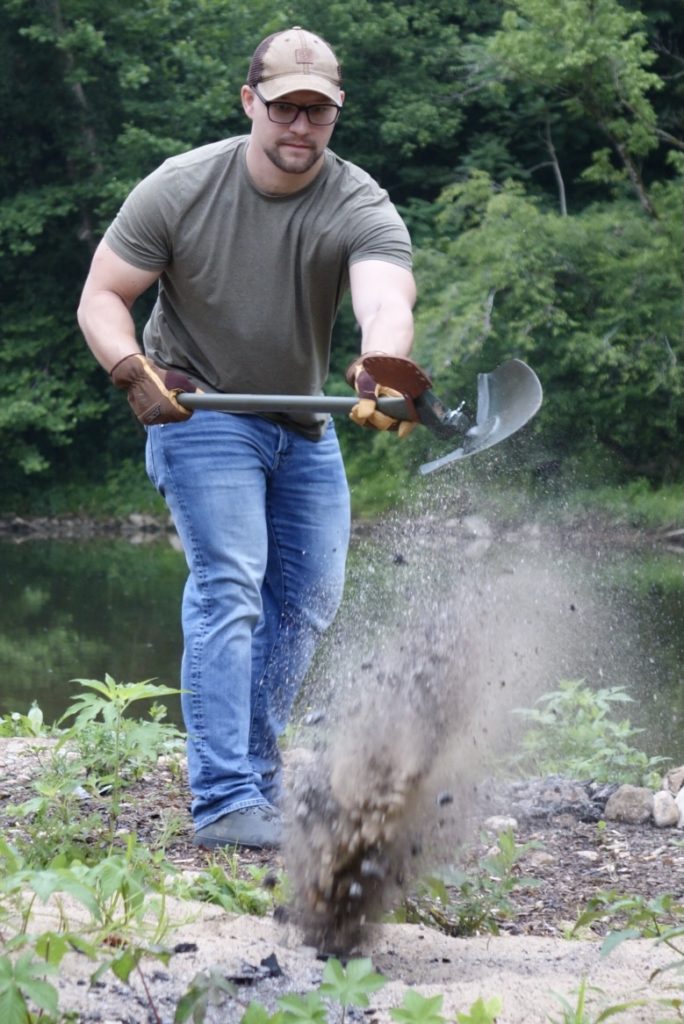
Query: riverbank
[[533, 962], [141, 527]]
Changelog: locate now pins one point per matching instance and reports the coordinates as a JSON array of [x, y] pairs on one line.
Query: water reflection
[[83, 609]]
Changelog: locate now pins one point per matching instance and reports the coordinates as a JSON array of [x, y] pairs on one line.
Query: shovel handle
[[395, 407]]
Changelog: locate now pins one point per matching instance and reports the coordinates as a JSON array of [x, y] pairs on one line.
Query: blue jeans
[[263, 517]]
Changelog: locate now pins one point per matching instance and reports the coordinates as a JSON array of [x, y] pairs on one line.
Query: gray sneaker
[[257, 827]]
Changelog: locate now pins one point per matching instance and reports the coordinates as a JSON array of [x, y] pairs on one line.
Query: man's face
[[293, 148]]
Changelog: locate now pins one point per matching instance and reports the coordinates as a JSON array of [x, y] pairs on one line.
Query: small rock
[[631, 804], [665, 810], [591, 856], [499, 823], [679, 800], [540, 859], [674, 780]]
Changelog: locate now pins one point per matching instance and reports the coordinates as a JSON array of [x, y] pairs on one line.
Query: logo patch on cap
[[304, 56]]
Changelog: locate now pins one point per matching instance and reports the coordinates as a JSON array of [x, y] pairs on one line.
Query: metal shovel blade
[[507, 398]]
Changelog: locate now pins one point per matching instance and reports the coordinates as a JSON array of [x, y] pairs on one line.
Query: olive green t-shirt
[[251, 282]]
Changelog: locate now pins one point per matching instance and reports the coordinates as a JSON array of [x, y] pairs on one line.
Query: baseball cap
[[295, 59]]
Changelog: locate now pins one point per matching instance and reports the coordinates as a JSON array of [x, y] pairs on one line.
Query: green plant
[[54, 818], [215, 884], [112, 745], [30, 724], [418, 1009], [571, 731], [350, 985], [23, 982], [660, 918], [579, 1013], [471, 901], [481, 1012], [208, 988], [342, 986]]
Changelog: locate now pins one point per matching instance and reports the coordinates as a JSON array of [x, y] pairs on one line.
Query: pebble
[[500, 823]]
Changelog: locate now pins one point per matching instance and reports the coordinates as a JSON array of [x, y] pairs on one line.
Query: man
[[252, 242]]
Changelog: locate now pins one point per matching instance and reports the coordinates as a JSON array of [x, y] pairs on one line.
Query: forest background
[[535, 149]]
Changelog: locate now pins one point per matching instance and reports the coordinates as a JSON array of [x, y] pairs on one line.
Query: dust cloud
[[449, 624]]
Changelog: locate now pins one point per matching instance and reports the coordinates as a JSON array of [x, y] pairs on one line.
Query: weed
[[224, 887], [579, 1013], [30, 724], [22, 981], [462, 902], [53, 818], [208, 988], [341, 987], [111, 746], [572, 732], [660, 919]]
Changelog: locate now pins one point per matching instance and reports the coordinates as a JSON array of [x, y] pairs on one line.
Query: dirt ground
[[530, 965]]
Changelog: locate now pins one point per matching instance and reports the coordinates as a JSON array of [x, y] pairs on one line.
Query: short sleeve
[[141, 231], [380, 234]]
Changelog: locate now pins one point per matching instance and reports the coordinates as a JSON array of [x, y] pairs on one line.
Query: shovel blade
[[507, 398]]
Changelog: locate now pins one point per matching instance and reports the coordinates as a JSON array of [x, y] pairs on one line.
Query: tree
[[94, 96], [593, 301]]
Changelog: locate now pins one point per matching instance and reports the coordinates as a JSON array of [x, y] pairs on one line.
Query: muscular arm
[[111, 288], [383, 296]]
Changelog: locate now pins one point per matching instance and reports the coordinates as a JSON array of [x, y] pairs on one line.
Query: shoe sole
[[212, 844]]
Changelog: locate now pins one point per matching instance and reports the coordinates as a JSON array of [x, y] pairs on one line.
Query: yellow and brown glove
[[152, 389], [376, 375]]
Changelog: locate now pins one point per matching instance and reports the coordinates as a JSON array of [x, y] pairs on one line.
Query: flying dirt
[[443, 639]]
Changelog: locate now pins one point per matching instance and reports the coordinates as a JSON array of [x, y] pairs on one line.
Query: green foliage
[[350, 985], [660, 918], [23, 982], [636, 504], [227, 889], [572, 732], [524, 107], [473, 900], [418, 1008], [112, 745], [482, 1012], [579, 1012], [30, 724], [586, 58], [209, 988], [593, 301], [56, 817]]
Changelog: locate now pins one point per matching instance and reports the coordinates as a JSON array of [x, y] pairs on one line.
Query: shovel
[[507, 398]]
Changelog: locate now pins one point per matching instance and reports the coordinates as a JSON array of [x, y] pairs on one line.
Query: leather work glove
[[376, 375], [152, 389]]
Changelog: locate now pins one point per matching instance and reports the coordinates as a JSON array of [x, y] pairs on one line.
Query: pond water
[[82, 609]]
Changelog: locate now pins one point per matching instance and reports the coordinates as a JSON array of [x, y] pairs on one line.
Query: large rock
[[631, 804], [665, 810]]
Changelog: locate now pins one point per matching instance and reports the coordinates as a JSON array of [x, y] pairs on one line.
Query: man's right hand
[[152, 389], [376, 375]]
